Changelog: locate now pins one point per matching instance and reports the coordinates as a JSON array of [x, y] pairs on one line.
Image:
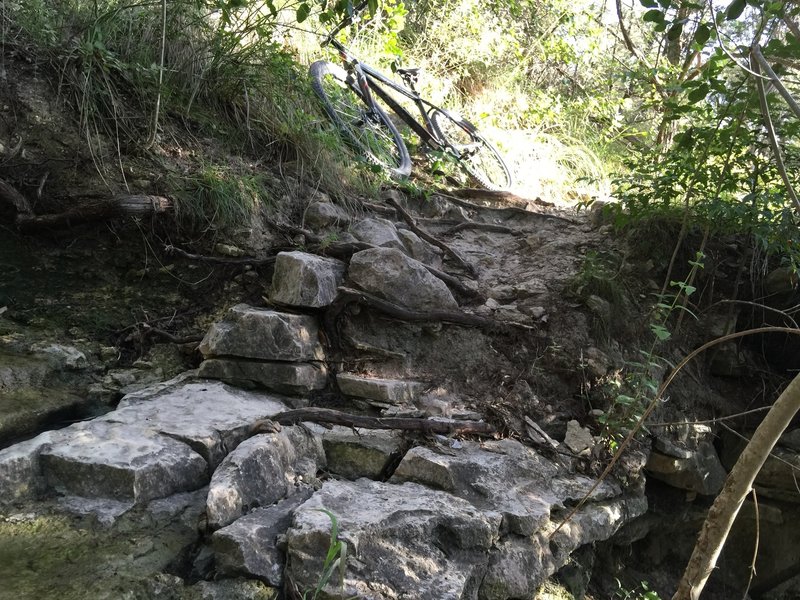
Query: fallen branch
[[335, 417], [428, 237], [119, 206], [506, 210], [498, 197]]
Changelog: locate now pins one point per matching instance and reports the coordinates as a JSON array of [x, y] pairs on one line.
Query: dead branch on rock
[[219, 260], [335, 417], [483, 227], [119, 206], [429, 238]]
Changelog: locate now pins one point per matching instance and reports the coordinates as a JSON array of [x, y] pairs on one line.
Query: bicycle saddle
[[413, 71]]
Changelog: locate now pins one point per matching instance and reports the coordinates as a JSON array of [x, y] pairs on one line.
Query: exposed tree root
[[483, 227], [219, 260], [335, 417], [429, 238]]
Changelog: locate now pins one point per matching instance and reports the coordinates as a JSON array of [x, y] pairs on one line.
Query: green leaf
[[373, 6], [675, 32], [648, 3], [654, 16], [699, 93], [660, 332], [302, 12], [735, 10], [702, 34]]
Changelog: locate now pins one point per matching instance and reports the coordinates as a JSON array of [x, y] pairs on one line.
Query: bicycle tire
[[364, 125], [476, 155]]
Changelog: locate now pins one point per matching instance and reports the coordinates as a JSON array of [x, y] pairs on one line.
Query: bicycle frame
[[364, 73]]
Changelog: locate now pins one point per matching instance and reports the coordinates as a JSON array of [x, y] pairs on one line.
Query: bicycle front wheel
[[476, 155], [363, 124]]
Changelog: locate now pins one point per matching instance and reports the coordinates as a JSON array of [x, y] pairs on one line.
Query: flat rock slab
[[263, 334], [404, 541], [113, 460], [297, 379], [391, 391], [210, 416], [354, 453], [249, 546], [20, 472]]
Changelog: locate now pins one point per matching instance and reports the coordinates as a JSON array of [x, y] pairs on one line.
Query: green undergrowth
[[229, 86]]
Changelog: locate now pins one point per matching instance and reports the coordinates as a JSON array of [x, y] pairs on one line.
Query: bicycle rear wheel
[[476, 155], [364, 125]]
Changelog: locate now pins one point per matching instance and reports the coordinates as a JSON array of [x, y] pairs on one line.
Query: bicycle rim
[[365, 126], [476, 155]]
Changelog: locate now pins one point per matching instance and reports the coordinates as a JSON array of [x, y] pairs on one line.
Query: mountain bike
[[350, 95]]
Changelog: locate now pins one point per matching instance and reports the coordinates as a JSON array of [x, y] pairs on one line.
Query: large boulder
[[390, 274], [404, 541], [306, 280], [263, 334]]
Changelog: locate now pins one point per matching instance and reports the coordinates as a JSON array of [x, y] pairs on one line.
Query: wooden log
[[87, 212]]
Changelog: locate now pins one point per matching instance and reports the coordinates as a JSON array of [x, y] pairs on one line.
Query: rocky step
[[258, 333], [386, 391], [295, 379]]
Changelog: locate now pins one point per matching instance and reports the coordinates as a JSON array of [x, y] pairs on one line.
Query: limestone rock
[[354, 453], [260, 472], [286, 378], [503, 476], [378, 232], [578, 439], [307, 280], [702, 472], [112, 460], [20, 471], [403, 541], [319, 215], [419, 249], [249, 332], [391, 391], [209, 416], [248, 547], [390, 274], [64, 356]]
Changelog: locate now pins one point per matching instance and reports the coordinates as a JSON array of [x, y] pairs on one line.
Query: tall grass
[[229, 76]]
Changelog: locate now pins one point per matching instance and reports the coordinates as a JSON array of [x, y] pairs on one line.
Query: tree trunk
[[739, 483]]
